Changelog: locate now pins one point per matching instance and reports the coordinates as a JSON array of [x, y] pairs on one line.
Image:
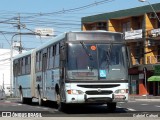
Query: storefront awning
[[154, 78]]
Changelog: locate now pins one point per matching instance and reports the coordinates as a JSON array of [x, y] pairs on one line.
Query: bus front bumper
[[96, 98]]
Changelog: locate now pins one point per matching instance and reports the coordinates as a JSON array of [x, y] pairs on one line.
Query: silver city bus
[[75, 68]]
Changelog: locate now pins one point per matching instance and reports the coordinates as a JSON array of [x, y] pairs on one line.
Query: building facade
[[141, 29], [5, 80]]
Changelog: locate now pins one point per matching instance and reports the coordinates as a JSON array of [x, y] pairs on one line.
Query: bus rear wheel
[[21, 97], [40, 101]]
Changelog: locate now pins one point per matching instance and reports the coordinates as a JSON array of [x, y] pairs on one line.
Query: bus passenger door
[[44, 73]]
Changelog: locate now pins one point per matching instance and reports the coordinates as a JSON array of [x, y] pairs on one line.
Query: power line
[[59, 20], [72, 9]]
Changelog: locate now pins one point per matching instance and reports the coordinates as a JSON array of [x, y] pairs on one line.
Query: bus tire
[[21, 97], [60, 105], [40, 101], [24, 100], [58, 101], [111, 106], [28, 100]]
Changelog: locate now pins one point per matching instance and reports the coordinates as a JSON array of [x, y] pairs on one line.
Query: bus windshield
[[96, 61]]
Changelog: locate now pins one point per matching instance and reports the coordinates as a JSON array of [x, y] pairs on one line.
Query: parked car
[[2, 94]]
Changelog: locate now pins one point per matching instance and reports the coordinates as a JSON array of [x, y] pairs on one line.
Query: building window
[[158, 24], [126, 26], [138, 53], [102, 26]]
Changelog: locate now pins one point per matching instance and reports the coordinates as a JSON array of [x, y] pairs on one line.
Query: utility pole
[[3, 81], [19, 31]]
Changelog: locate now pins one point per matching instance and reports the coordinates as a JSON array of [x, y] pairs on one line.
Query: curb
[[148, 100]]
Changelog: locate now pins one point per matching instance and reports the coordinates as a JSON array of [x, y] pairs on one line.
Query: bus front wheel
[[111, 106], [60, 105], [58, 100]]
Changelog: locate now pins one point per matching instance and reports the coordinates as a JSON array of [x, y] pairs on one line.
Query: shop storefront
[[155, 79], [134, 81]]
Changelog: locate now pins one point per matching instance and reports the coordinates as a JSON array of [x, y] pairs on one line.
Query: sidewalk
[[149, 98]]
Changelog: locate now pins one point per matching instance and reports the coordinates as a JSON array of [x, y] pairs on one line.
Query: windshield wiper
[[86, 50], [88, 54]]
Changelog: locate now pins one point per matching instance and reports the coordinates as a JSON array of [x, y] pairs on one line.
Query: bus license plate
[[119, 96]]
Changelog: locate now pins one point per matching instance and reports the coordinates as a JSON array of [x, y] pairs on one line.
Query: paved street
[[130, 109]]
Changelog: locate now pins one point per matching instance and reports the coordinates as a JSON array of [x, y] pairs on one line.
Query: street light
[[151, 7]]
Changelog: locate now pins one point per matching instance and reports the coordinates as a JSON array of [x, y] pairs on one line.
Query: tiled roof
[[122, 13]]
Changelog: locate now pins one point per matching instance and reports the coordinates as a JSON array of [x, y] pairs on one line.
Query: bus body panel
[[23, 81]]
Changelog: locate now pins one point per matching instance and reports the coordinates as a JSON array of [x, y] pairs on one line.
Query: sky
[[60, 15]]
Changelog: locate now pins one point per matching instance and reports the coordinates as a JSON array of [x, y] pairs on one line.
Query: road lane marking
[[45, 108], [130, 109], [7, 101], [157, 106], [19, 104], [143, 104], [118, 107], [131, 101], [56, 110]]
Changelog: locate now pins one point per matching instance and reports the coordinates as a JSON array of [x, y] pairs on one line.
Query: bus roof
[[54, 40], [60, 37], [23, 54], [95, 31], [96, 36]]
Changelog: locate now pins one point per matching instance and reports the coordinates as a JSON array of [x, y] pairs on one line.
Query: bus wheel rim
[[58, 99], [39, 99], [21, 98]]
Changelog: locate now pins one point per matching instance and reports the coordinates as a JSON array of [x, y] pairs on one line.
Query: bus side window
[[23, 66], [53, 56], [48, 57], [27, 64], [37, 61], [40, 61], [15, 68], [57, 57], [57, 49], [19, 66], [54, 52]]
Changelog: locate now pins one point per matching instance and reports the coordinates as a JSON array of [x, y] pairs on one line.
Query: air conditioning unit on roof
[[152, 15]]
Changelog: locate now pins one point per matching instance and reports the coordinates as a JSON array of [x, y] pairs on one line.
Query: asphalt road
[[138, 109]]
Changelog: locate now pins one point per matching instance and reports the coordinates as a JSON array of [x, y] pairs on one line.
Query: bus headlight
[[75, 92], [121, 91]]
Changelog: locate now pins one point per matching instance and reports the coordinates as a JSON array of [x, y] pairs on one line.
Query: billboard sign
[[44, 32], [135, 34]]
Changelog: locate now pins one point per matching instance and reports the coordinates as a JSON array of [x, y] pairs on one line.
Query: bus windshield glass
[[87, 61]]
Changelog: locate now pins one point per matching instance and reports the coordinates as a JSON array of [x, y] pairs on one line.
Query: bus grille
[[96, 92]]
